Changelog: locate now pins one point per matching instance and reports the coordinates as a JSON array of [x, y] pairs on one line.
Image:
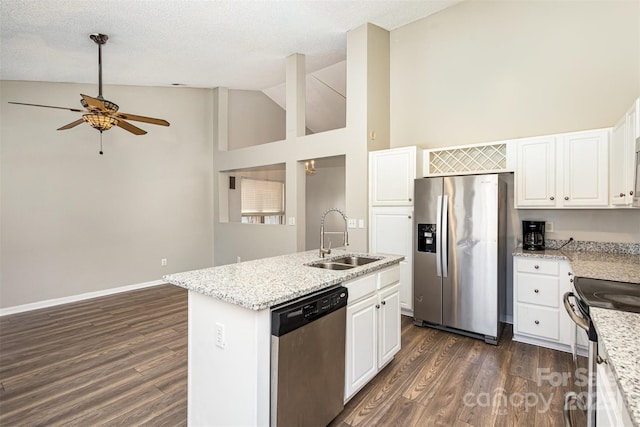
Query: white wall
[[485, 71], [75, 222], [249, 241], [324, 190], [254, 119]]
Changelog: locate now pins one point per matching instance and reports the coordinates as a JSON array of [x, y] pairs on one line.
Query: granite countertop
[[595, 265], [618, 332], [267, 282]]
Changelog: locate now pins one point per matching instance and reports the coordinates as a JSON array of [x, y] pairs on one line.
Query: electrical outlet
[[238, 259], [220, 341], [548, 227], [163, 262], [292, 220], [352, 223], [361, 223]]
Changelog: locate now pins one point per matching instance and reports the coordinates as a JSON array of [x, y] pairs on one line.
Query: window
[[262, 201]]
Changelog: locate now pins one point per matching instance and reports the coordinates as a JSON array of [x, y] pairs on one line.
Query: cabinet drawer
[[539, 321], [538, 266], [361, 287], [388, 276], [539, 289]]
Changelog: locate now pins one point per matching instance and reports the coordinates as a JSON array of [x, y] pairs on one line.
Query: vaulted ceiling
[[195, 43]]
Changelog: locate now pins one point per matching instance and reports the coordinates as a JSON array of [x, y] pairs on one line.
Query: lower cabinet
[[611, 410], [539, 316], [373, 327]]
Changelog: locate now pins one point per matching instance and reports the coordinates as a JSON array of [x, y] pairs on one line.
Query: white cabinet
[[391, 175], [389, 324], [391, 232], [611, 410], [536, 172], [621, 156], [539, 315], [373, 327], [563, 171]]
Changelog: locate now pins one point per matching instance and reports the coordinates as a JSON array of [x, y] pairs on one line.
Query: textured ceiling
[[235, 44]]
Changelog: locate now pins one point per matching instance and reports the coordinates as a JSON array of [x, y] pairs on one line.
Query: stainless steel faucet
[[324, 251]]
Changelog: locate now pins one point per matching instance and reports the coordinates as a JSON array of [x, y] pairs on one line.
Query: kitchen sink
[[354, 260], [344, 263], [332, 266]]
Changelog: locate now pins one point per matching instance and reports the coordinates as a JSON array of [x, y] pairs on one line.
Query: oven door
[[572, 399]]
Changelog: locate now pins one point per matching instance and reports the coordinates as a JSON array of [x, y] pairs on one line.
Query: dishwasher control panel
[[299, 312]]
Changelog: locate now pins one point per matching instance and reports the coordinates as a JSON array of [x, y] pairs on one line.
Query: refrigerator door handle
[[438, 239], [444, 236]]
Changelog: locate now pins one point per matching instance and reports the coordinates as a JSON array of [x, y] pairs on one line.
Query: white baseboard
[[75, 298]]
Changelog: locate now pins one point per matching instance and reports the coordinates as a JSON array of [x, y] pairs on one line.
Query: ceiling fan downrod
[[100, 39]]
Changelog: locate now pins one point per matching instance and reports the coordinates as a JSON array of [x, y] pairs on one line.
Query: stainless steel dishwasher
[[307, 359]]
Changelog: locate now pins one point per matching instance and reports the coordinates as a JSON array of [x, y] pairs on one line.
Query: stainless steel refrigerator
[[459, 273]]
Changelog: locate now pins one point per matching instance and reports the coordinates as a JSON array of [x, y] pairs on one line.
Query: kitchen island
[[230, 329]]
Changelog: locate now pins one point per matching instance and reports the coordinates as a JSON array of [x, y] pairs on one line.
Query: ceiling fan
[[99, 113]]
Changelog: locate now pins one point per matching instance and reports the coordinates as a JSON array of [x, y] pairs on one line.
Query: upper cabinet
[[536, 172], [563, 171], [621, 153], [391, 174]]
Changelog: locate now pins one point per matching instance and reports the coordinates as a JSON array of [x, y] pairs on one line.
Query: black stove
[[608, 294]]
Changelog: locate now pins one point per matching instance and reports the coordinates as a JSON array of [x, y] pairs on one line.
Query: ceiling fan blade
[[72, 124], [131, 128], [137, 118], [48, 106], [94, 102]]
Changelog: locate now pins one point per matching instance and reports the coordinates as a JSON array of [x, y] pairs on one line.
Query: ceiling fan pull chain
[[101, 153]]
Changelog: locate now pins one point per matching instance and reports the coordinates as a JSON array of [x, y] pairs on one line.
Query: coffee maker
[[533, 235]]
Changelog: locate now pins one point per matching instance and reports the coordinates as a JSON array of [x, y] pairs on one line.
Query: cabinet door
[[536, 173], [620, 166], [389, 324], [391, 232], [361, 352], [391, 175], [585, 169]]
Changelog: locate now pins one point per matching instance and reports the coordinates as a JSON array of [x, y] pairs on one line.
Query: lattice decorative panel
[[469, 159]]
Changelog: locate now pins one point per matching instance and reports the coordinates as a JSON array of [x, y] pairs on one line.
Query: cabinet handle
[[384, 302], [409, 198], [536, 291], [552, 198], [571, 280], [377, 305], [536, 267], [566, 197], [570, 273], [600, 360], [537, 322], [631, 193], [621, 194], [409, 216]]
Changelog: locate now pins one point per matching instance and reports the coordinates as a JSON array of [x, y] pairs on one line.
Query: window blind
[[260, 197]]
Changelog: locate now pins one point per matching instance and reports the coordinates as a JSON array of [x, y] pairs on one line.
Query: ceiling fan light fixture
[[100, 122]]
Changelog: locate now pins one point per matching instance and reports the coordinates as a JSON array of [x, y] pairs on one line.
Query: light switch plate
[[352, 223], [361, 223], [292, 220], [548, 227]]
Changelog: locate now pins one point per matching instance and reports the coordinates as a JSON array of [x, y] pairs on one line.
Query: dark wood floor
[[121, 360]]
